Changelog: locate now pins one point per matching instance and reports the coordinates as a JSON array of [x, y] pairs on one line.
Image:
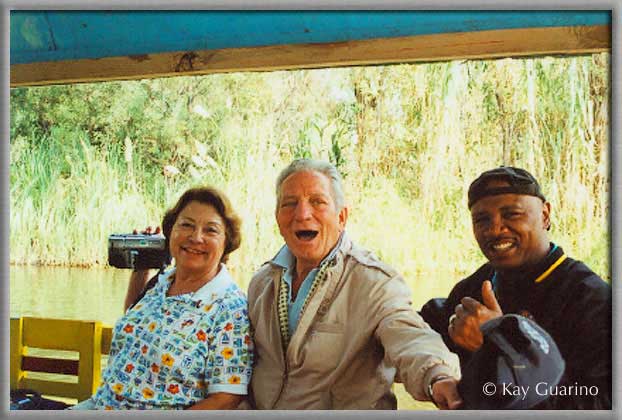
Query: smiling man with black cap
[[528, 275]]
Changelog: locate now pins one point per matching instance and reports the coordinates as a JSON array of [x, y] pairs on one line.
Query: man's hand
[[445, 394], [469, 315]]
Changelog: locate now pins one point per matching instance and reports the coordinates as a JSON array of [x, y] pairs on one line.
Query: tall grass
[[66, 200], [408, 138]]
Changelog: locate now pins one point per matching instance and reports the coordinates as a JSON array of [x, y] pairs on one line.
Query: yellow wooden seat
[[90, 339]]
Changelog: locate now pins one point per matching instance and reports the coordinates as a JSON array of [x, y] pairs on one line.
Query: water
[[98, 293], [70, 293]]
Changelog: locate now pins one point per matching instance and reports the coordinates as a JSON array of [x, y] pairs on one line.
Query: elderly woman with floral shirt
[[186, 343]]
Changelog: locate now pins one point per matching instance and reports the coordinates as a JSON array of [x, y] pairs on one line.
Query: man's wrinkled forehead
[[307, 182]]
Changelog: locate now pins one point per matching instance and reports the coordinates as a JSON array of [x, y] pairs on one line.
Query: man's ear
[[546, 215], [343, 217]]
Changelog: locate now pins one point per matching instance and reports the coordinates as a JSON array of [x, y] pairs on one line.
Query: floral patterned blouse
[[171, 352]]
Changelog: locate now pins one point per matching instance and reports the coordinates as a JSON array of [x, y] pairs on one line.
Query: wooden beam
[[412, 49]]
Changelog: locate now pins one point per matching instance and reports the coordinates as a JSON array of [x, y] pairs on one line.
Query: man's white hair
[[321, 166]]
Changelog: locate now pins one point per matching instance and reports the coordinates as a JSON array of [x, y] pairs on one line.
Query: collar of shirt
[[285, 259], [208, 292], [535, 273], [515, 290]]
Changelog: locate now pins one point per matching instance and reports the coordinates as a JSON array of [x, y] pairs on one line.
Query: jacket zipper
[[283, 384]]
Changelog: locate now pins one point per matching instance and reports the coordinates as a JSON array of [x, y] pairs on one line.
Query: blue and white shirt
[[169, 352]]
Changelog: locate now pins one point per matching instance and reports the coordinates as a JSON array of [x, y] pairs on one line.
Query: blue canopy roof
[[59, 46], [70, 35]]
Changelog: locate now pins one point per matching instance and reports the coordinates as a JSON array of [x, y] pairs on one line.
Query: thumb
[[489, 298]]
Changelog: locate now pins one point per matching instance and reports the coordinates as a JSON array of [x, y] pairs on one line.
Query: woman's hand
[[138, 278], [148, 231], [219, 401]]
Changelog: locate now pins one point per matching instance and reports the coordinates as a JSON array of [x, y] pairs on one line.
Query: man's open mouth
[[306, 235]]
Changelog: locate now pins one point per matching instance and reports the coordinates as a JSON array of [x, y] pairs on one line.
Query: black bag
[[28, 399]]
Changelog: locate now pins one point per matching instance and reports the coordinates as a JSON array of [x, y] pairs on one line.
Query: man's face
[[308, 218], [511, 229]]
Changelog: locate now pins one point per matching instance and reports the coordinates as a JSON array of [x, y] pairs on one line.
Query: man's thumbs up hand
[[469, 315]]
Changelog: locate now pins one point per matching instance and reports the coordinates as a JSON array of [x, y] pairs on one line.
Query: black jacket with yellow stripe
[[571, 302]]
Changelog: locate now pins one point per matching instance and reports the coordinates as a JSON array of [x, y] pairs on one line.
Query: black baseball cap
[[515, 366], [520, 182]]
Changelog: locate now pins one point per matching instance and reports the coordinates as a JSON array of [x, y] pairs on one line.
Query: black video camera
[[137, 251]]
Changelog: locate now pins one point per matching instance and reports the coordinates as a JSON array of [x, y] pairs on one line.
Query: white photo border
[[615, 192]]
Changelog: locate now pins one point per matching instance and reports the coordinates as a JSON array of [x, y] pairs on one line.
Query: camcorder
[[137, 251]]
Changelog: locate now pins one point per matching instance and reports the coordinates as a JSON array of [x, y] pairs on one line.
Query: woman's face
[[197, 239]]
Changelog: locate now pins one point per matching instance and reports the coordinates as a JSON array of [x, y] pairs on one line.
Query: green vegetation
[[92, 159]]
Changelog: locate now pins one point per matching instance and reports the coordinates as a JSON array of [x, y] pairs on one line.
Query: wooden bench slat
[[48, 365], [57, 334], [47, 387]]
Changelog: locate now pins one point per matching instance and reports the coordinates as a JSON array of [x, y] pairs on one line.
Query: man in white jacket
[[333, 325]]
